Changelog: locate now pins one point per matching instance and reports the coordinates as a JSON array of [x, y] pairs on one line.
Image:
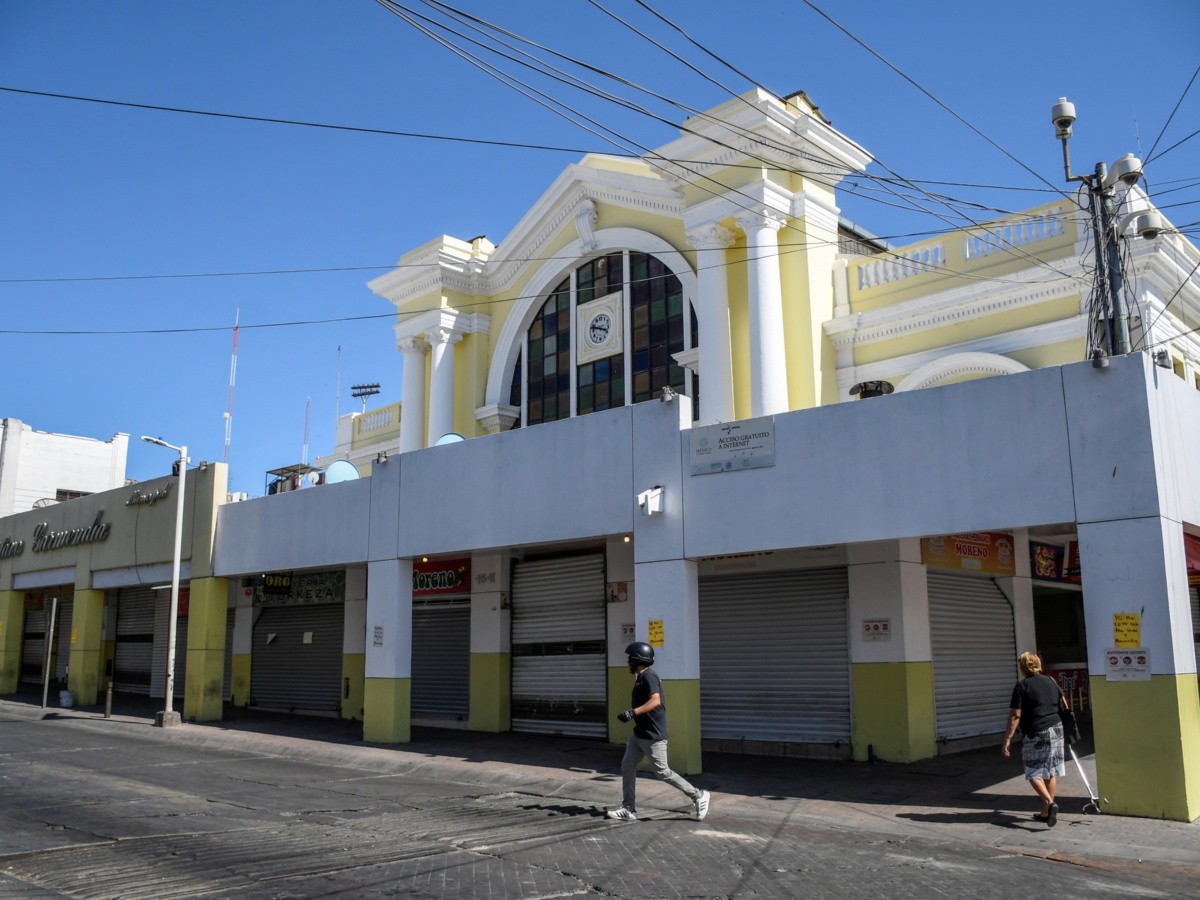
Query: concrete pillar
[[243, 644], [768, 360], [204, 677], [491, 644], [891, 655], [1146, 725], [412, 394], [12, 628], [387, 691], [354, 644], [441, 382], [712, 311], [85, 664]]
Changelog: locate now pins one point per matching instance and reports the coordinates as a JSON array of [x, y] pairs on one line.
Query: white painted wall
[[35, 465]]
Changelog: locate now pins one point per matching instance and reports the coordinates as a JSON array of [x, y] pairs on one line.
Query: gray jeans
[[656, 751]]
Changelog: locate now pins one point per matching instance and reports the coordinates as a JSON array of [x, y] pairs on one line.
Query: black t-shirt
[[1037, 697], [651, 725]]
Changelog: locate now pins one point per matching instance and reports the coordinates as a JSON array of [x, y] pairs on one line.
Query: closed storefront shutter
[[974, 655], [296, 661], [1194, 595], [135, 640], [441, 659], [62, 627], [227, 691], [559, 681], [774, 657], [158, 664], [33, 651]]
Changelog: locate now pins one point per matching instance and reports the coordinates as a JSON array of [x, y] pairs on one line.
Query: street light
[[168, 717]]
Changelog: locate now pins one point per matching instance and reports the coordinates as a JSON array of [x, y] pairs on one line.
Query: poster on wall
[[984, 552], [1055, 562]]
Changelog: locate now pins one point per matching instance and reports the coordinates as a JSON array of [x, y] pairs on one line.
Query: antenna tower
[[232, 382], [307, 419]]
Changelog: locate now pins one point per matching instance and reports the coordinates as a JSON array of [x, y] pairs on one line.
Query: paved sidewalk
[[976, 797]]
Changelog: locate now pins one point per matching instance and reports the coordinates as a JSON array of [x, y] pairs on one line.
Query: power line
[[1150, 156]]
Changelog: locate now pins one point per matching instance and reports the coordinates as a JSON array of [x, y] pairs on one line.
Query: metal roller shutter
[[974, 654], [441, 659], [135, 640], [227, 690], [33, 651], [158, 657], [559, 680], [775, 657], [62, 627], [297, 658], [1194, 595]]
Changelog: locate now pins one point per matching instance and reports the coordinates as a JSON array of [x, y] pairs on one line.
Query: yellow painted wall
[[239, 688], [683, 718], [204, 684], [1147, 737], [354, 669], [387, 710], [85, 663], [491, 692], [893, 711], [12, 627]]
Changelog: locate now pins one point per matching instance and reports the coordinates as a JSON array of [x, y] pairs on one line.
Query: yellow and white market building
[[655, 375]]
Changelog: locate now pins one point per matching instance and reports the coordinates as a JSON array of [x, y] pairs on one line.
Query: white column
[[712, 310], [768, 362], [441, 382], [412, 394], [389, 619]]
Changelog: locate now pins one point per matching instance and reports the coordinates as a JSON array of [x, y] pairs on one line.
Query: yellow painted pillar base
[[683, 718], [12, 627], [239, 680], [204, 685], [354, 667], [1148, 746], [86, 658], [491, 692], [387, 710], [893, 711]]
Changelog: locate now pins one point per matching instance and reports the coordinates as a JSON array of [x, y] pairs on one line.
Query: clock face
[[599, 328]]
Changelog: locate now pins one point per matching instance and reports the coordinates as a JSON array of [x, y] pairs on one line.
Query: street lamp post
[[169, 717]]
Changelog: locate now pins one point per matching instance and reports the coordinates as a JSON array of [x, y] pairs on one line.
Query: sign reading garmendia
[[44, 539]]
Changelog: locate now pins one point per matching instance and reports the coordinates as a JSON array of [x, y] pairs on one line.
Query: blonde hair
[[1030, 663]]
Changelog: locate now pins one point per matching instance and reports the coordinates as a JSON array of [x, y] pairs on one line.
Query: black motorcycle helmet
[[640, 652]]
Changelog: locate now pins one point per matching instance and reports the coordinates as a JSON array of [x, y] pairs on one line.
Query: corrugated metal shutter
[[135, 640], [974, 654], [441, 659], [33, 652], [1194, 594], [297, 658], [158, 658], [775, 657], [227, 692], [62, 626], [559, 680]]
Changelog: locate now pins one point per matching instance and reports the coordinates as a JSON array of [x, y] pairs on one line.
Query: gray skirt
[[1044, 754]]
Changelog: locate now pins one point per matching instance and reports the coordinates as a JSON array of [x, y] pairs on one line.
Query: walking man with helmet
[[649, 737]]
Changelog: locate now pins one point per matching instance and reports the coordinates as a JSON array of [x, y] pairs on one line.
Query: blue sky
[[95, 197]]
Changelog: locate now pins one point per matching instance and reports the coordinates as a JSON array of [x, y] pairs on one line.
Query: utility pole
[[1110, 279]]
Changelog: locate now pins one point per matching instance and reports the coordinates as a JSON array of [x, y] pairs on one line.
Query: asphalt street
[[274, 807]]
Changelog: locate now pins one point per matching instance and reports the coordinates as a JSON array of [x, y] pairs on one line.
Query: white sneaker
[[701, 806], [622, 813]]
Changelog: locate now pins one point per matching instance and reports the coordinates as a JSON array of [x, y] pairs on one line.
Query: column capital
[[496, 417], [412, 344], [443, 335], [761, 218], [710, 237]]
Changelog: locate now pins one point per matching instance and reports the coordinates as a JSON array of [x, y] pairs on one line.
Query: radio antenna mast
[[307, 412], [232, 382]]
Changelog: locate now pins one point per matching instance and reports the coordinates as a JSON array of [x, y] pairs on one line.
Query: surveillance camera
[[1063, 116], [1148, 225], [1127, 169]]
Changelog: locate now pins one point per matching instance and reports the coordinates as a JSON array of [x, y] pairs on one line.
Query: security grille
[[158, 657], [441, 659], [135, 640], [559, 680], [297, 658], [33, 651], [974, 654], [774, 657]]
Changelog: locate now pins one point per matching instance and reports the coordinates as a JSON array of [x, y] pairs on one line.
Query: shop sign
[[140, 498], [1127, 664], [44, 539], [304, 588], [11, 548], [439, 577], [1052, 562], [989, 552], [733, 446], [877, 629]]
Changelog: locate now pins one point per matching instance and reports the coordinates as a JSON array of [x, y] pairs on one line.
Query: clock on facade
[[599, 328]]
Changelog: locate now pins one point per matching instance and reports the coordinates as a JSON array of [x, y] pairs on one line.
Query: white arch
[[511, 338], [958, 365]]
